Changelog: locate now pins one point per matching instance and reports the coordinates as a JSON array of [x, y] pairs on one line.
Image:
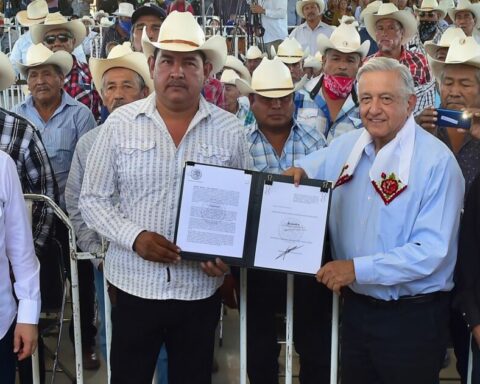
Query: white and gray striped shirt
[[134, 156]]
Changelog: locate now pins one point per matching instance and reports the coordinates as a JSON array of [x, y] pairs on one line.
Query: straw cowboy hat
[[233, 63], [229, 76], [370, 8], [106, 22], [7, 74], [57, 21], [446, 5], [87, 20], [271, 79], [121, 56], [38, 55], [254, 52], [313, 62], [390, 11], [465, 5], [448, 36], [463, 50], [181, 33], [345, 39], [290, 51], [429, 6], [124, 10], [35, 13], [301, 3]]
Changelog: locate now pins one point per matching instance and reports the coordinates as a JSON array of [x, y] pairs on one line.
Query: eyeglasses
[[62, 37], [426, 14]]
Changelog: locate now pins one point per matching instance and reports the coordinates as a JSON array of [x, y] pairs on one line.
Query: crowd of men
[[361, 104]]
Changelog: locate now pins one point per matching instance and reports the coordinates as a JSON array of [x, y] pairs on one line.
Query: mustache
[[117, 104], [177, 83]]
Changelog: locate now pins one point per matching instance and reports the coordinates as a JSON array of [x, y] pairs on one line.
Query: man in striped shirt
[[130, 196]]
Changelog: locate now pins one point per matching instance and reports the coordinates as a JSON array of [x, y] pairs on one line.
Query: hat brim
[[474, 8], [240, 69], [324, 44], [22, 18], [404, 17], [300, 4], [441, 11], [431, 48], [76, 27], [215, 49], [134, 61], [438, 67], [62, 59], [7, 73], [245, 89]]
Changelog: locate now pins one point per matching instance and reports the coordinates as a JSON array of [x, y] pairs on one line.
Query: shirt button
[[369, 198]]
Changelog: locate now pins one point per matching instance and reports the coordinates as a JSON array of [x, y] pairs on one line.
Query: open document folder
[[252, 219]]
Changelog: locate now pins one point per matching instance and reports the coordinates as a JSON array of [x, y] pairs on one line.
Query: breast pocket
[[136, 163], [212, 154]]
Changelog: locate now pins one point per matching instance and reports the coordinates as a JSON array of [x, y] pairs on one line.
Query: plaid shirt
[[308, 112], [23, 143], [213, 92], [244, 114], [79, 85], [416, 45], [416, 62], [303, 140]]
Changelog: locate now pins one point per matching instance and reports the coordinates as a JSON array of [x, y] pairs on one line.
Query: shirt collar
[[320, 25]]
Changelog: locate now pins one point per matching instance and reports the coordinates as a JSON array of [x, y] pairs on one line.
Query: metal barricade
[[74, 256]]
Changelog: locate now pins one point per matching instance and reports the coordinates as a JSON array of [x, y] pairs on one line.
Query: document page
[[213, 212], [292, 228]]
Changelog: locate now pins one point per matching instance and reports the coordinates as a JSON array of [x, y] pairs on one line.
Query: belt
[[416, 299]]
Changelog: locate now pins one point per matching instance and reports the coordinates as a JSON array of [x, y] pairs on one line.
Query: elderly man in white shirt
[[139, 156], [18, 326], [306, 34]]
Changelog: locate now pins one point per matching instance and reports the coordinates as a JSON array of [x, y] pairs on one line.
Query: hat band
[[175, 41], [296, 56], [274, 89], [35, 18]]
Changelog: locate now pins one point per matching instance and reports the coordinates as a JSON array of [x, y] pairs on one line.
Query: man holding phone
[[459, 83]]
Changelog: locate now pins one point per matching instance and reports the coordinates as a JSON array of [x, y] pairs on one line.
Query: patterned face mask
[[337, 87], [426, 29]]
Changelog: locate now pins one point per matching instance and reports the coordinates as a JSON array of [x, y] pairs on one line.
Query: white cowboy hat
[[313, 62], [38, 55], [124, 10], [463, 50], [99, 14], [448, 36], [57, 21], [345, 39], [301, 3], [465, 5], [348, 20], [121, 56], [106, 22], [7, 73], [290, 51], [229, 76], [271, 79], [181, 33], [87, 20], [254, 52], [370, 8], [390, 11], [35, 13], [446, 5], [233, 63], [429, 6]]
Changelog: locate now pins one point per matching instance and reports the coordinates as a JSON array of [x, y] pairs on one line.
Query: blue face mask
[[126, 25]]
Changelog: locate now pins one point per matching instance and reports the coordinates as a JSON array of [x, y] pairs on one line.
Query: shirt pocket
[[137, 164], [213, 154]]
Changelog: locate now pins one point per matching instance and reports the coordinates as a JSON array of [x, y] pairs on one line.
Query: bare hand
[[297, 173], [476, 334], [154, 247], [25, 340], [475, 126], [255, 8], [427, 119], [337, 274], [217, 269]]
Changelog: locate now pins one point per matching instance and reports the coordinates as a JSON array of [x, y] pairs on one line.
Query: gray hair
[[139, 80], [385, 64]]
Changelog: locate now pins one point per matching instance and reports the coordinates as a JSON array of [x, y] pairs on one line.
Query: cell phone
[[453, 119]]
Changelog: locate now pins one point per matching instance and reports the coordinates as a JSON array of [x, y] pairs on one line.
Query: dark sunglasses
[[62, 37], [426, 14]]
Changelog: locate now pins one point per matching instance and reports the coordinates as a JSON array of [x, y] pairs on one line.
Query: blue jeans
[[162, 362]]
